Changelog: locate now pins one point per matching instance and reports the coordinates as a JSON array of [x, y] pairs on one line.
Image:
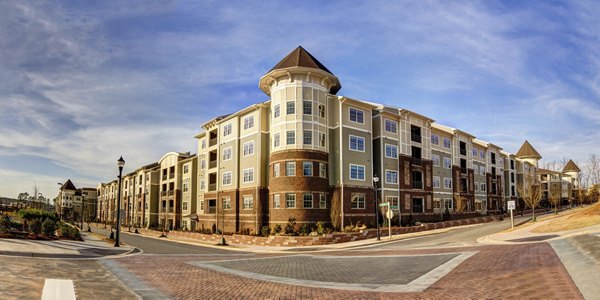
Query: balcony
[[463, 170], [163, 193], [212, 164], [463, 151], [212, 142], [166, 210], [211, 210], [415, 138], [212, 187], [171, 192], [164, 177], [172, 175], [417, 185]]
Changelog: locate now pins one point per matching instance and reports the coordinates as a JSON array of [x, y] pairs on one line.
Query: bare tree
[[554, 195], [530, 192]]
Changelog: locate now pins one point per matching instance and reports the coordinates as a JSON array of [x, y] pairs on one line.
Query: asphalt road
[[162, 245]]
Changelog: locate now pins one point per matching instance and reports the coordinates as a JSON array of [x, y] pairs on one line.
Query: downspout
[[341, 149]]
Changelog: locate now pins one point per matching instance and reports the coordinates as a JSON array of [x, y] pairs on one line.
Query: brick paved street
[[514, 271]]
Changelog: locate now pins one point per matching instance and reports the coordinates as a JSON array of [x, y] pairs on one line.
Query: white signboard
[[389, 214], [511, 205]]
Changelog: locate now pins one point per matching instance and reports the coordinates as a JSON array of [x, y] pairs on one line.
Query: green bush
[[265, 230], [277, 229], [49, 227], [304, 230], [34, 213], [35, 226], [5, 224], [74, 233], [320, 228], [290, 227]]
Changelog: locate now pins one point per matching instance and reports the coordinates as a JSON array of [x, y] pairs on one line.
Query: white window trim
[[350, 172], [230, 178], [433, 160], [350, 143], [450, 165], [312, 200], [244, 175], [244, 202], [386, 177], [363, 114], [438, 181], [446, 179], [393, 146], [244, 148], [246, 121], [230, 153], [392, 121], [230, 130]]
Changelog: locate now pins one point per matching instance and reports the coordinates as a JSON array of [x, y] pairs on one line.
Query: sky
[[84, 82]]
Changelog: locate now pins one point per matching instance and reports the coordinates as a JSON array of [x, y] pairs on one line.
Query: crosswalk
[[58, 289]]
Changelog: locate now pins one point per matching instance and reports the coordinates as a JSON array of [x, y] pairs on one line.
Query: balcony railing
[[463, 151], [417, 184], [212, 210], [212, 164], [164, 177], [212, 142], [171, 175], [463, 170], [171, 192], [163, 193], [212, 187], [415, 138]]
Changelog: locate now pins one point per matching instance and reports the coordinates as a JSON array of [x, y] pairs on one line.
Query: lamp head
[[121, 162], [375, 179]]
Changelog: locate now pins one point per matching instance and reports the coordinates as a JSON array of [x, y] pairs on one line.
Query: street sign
[[389, 214], [394, 206], [385, 204], [511, 205]]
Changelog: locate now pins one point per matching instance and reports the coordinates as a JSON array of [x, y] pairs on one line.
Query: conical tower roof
[[571, 167], [68, 185], [527, 151], [299, 57]]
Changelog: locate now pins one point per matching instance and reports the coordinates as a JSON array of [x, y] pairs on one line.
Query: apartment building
[[310, 155], [73, 202]]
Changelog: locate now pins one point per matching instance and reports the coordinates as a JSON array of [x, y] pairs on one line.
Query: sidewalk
[[91, 247]]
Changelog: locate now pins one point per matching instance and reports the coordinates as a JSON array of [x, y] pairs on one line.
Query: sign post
[[389, 215], [511, 207]]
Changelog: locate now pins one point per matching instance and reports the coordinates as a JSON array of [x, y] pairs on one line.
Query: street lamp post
[[375, 180], [82, 201], [120, 164]]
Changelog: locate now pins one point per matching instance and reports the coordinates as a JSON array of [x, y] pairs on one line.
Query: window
[[477, 205], [227, 153], [227, 178], [446, 143], [185, 187], [185, 169], [202, 185], [322, 170], [184, 205], [483, 187], [391, 126], [391, 176], [447, 183], [436, 159], [476, 186], [447, 162], [226, 202], [448, 204], [276, 111], [436, 181], [357, 143], [322, 201], [356, 115], [308, 201], [227, 129], [203, 144], [184, 224], [391, 151], [307, 137], [321, 139], [307, 168], [276, 201], [290, 168], [481, 170], [393, 201], [475, 153], [307, 107], [202, 164], [248, 122], [290, 107], [436, 204], [481, 153], [290, 200], [248, 202], [276, 169], [249, 148], [276, 141], [417, 180], [417, 205], [415, 133], [321, 110], [201, 205], [357, 201], [435, 139], [248, 175], [357, 172], [290, 137]]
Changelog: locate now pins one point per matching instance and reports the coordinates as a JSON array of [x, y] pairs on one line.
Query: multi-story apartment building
[[71, 200], [572, 171], [313, 156]]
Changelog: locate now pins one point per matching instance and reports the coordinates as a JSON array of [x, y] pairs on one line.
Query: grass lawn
[[585, 217]]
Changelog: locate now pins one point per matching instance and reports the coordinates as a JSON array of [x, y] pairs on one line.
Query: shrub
[[34, 213], [35, 226], [320, 228], [73, 233], [49, 227], [265, 230], [290, 227], [277, 229], [5, 224], [304, 230]]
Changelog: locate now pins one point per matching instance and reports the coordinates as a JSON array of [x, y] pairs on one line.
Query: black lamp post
[[82, 201], [375, 180], [120, 164]]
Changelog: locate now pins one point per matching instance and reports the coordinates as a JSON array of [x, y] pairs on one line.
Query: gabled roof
[[68, 185], [527, 151], [299, 57], [571, 167]]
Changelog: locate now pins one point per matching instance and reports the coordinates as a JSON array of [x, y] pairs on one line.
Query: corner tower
[[301, 90], [529, 154]]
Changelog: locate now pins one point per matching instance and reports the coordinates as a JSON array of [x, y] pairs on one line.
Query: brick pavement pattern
[[23, 278], [498, 272]]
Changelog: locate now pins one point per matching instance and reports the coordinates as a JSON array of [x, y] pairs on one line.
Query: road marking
[[55, 289]]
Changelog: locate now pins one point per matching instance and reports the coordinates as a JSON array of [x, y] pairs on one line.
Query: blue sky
[[83, 82]]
